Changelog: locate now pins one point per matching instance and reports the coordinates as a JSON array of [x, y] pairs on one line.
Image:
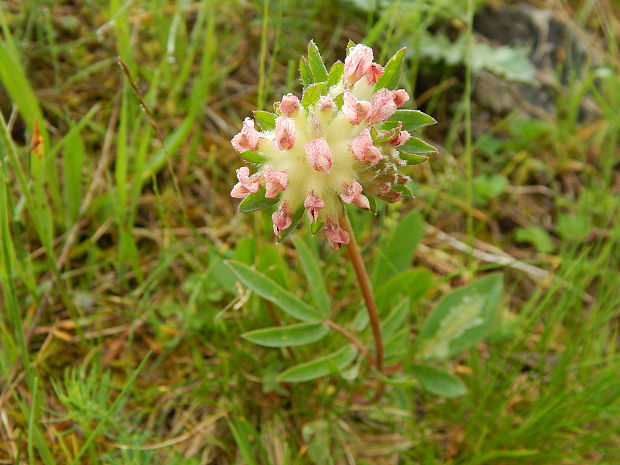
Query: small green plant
[[347, 141]]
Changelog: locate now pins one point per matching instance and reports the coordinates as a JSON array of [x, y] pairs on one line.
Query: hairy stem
[[364, 283]]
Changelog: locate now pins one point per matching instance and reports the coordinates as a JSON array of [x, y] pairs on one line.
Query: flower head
[[344, 146]]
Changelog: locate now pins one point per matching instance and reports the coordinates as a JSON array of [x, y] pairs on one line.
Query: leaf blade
[[412, 119], [315, 61], [285, 336], [314, 276], [265, 119], [257, 201], [461, 319], [391, 74], [273, 292], [328, 364], [438, 382]]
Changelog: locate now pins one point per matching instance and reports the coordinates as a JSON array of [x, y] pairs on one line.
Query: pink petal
[[364, 150], [247, 184], [400, 97], [383, 106], [325, 103], [319, 155], [352, 193], [357, 62], [355, 110], [336, 235], [313, 203], [239, 191], [374, 72], [400, 139], [281, 219], [285, 133], [289, 104], [275, 182], [247, 139]]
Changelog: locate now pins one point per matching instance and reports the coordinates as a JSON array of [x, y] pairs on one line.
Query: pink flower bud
[[382, 106], [400, 97], [313, 203], [336, 235], [285, 133], [400, 139], [275, 182], [247, 184], [357, 62], [374, 72], [319, 155], [289, 105], [281, 219], [355, 110], [364, 150], [325, 103], [352, 193], [247, 139]]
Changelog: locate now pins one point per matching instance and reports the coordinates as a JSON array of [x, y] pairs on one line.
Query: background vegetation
[[120, 330]]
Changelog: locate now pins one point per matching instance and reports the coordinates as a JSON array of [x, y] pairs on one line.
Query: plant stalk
[[364, 283]]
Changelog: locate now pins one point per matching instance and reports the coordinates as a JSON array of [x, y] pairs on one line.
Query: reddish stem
[[364, 283]]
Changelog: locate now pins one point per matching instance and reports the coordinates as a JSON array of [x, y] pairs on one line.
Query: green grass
[[113, 237]]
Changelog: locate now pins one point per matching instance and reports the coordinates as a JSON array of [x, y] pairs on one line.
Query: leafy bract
[[256, 201]]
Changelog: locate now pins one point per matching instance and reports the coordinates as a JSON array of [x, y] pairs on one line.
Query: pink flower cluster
[[311, 164]]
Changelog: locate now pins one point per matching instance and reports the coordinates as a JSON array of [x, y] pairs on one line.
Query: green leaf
[[270, 262], [253, 157], [380, 138], [326, 365], [305, 73], [245, 251], [295, 219], [438, 382], [404, 190], [396, 320], [373, 204], [412, 283], [316, 227], [284, 336], [415, 145], [312, 94], [412, 119], [391, 76], [271, 291], [397, 253], [411, 159], [317, 436], [461, 319], [256, 201], [339, 100], [314, 276], [245, 437], [317, 67], [536, 236], [573, 227], [335, 73], [266, 120], [387, 125]]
